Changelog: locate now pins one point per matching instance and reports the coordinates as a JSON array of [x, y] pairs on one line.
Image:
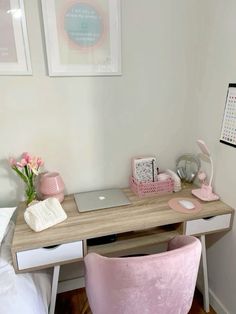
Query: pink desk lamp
[[205, 192]]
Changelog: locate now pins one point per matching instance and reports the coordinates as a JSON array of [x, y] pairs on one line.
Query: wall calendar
[[228, 132]]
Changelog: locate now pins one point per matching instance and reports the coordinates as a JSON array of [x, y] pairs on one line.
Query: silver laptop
[[93, 200]]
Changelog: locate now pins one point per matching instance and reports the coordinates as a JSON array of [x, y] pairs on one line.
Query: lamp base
[[205, 193]]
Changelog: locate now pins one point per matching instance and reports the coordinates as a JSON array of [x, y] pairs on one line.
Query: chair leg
[[56, 271], [205, 276]]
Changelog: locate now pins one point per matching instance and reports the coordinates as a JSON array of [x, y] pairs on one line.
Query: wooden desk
[[145, 222]]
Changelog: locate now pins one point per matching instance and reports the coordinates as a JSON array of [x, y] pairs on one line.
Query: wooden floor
[[75, 302]]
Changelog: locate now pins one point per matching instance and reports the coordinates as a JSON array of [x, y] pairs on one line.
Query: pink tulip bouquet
[[27, 168]]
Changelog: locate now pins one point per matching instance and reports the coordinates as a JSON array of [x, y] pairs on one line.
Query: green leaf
[[26, 170], [22, 176]]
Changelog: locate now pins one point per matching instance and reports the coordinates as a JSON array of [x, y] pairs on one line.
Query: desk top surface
[[139, 215]]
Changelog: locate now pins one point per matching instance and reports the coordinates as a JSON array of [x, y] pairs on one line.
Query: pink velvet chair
[[161, 283]]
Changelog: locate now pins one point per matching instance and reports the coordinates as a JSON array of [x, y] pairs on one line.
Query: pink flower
[[33, 169], [23, 162], [27, 168], [27, 157], [18, 164], [33, 165], [12, 162], [39, 162], [28, 165]]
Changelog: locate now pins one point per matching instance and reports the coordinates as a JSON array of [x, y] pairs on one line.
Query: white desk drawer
[[46, 256], [201, 226]]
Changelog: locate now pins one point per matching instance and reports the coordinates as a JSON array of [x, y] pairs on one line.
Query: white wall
[[178, 58], [89, 128], [217, 61]]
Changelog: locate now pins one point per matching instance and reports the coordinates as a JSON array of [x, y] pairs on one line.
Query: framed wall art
[[83, 37], [14, 46]]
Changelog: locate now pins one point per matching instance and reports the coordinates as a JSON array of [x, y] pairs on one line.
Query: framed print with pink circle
[[14, 45], [83, 37]]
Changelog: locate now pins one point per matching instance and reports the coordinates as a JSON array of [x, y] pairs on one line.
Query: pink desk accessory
[[175, 204], [148, 188], [51, 185], [205, 193]]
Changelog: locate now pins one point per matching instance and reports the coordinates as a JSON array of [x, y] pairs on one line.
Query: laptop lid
[[93, 200]]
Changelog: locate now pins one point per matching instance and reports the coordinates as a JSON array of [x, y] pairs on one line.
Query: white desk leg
[[205, 276], [56, 271]]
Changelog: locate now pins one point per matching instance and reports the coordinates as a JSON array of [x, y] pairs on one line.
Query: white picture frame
[[14, 44], [83, 37]]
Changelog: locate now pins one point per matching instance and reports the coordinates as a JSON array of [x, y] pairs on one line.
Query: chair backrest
[[161, 283]]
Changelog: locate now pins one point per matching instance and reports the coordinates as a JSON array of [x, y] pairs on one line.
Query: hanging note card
[[228, 132]]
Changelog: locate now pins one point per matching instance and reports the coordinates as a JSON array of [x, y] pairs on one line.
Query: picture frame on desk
[[83, 38], [14, 45]]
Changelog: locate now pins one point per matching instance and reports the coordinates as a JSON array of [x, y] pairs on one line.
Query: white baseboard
[[215, 302]]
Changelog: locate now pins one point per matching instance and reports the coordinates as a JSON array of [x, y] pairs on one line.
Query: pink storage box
[[143, 189]]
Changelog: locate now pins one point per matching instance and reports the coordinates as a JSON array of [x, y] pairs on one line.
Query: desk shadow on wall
[[10, 184], [211, 239]]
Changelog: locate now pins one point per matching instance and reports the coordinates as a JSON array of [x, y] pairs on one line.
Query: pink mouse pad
[[175, 205]]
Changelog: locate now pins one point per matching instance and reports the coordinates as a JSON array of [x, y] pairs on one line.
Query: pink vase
[[51, 185]]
